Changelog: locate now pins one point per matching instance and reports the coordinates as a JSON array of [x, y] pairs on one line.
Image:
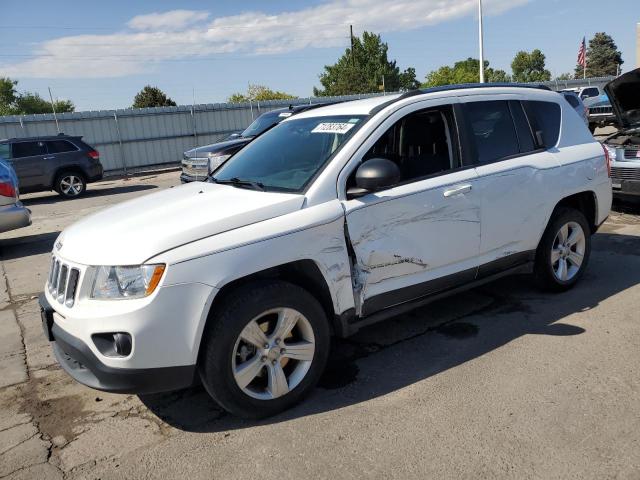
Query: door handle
[[457, 190]]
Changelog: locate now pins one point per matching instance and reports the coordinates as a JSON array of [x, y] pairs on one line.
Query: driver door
[[421, 236]]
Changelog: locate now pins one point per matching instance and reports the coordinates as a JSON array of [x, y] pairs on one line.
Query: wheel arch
[[303, 273], [67, 168], [585, 202]]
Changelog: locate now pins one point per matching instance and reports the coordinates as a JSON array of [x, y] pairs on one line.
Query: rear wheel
[[70, 184], [563, 252], [265, 349]]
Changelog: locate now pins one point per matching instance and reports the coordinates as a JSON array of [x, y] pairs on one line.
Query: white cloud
[[180, 34], [172, 20]]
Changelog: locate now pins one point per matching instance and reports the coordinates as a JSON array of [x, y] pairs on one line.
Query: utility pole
[[53, 107], [353, 59], [481, 41]]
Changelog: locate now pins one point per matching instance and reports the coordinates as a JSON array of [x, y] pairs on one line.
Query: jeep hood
[[624, 94], [132, 232]]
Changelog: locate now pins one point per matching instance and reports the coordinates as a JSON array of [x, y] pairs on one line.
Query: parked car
[[624, 145], [600, 112], [13, 214], [334, 219], [576, 103], [198, 163], [62, 163], [585, 92]]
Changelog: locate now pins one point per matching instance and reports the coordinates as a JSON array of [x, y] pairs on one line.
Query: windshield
[[262, 123], [288, 156]]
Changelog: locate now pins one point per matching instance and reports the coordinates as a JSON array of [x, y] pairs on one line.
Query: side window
[[28, 149], [5, 151], [493, 130], [60, 146], [544, 118], [523, 129], [589, 92], [422, 143]]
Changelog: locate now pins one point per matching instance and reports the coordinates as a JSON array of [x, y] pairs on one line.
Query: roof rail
[[460, 86]]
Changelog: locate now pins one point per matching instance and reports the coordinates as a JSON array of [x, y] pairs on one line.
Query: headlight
[[118, 283], [216, 161]]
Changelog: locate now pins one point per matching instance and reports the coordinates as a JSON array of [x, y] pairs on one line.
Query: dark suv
[[62, 163]]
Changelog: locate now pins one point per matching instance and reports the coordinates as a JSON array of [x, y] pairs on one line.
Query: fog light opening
[[118, 344]]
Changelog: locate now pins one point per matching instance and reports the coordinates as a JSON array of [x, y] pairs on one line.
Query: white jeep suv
[[336, 218]]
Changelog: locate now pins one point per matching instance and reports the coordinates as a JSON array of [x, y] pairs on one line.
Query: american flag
[[582, 54]]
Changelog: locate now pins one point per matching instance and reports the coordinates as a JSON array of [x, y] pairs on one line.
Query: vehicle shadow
[[51, 198], [27, 246], [413, 347]]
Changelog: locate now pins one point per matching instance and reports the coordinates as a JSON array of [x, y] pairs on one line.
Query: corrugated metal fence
[[135, 138]]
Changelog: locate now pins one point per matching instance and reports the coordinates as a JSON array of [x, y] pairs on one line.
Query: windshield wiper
[[237, 182]]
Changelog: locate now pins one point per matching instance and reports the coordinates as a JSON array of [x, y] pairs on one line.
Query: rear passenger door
[[62, 153], [513, 170], [28, 160]]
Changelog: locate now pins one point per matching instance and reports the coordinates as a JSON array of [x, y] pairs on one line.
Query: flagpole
[[481, 41], [584, 66]]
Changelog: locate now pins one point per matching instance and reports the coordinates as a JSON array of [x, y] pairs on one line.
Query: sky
[[100, 54]]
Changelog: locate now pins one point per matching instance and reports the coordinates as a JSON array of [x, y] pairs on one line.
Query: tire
[[226, 356], [70, 184], [563, 252]]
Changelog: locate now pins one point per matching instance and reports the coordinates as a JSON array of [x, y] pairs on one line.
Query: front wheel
[[264, 349], [563, 252]]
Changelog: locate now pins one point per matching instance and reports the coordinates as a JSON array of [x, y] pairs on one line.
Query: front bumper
[[14, 216], [78, 360], [626, 187]]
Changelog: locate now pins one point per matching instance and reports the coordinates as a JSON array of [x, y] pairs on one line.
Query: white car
[[335, 219]]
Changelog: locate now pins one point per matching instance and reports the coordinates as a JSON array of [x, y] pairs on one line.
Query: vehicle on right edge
[[624, 145], [335, 219]]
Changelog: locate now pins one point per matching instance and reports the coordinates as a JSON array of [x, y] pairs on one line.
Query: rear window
[[590, 92], [28, 149], [544, 118], [60, 146], [493, 130]]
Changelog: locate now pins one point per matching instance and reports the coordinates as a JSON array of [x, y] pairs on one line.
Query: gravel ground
[[499, 382]]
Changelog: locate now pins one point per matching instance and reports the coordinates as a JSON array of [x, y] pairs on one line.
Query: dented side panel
[[413, 233]]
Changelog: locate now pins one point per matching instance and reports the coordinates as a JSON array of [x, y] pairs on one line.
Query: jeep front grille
[[63, 282]]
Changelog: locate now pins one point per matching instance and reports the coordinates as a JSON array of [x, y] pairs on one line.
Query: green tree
[[13, 102], [603, 57], [259, 93], [464, 71], [408, 80], [362, 69], [564, 76], [152, 97], [529, 67]]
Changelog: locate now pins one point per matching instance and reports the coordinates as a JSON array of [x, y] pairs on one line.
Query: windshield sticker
[[340, 128]]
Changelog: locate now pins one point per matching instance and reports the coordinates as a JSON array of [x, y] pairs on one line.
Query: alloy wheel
[[71, 185], [567, 252], [273, 353]]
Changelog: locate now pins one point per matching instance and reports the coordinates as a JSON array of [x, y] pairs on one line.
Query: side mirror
[[374, 175]]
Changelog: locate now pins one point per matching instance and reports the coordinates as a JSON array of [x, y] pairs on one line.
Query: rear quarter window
[[60, 146], [544, 117]]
